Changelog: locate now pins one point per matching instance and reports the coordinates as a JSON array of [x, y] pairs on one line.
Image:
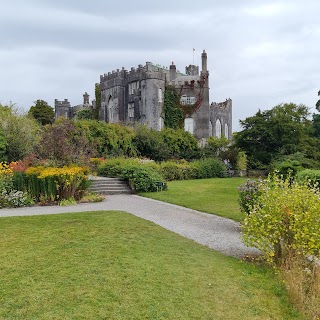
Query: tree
[[3, 146], [42, 112], [86, 114], [318, 103], [64, 143], [97, 92], [282, 130], [21, 133]]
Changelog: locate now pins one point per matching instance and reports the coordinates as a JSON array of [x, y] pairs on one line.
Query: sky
[[260, 53]]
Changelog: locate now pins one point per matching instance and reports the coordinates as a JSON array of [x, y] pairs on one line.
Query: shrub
[[14, 199], [286, 219], [143, 179], [284, 224], [249, 193], [5, 177], [113, 167], [173, 171], [313, 176], [207, 168]]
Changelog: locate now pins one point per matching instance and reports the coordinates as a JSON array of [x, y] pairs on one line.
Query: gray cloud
[[259, 53]]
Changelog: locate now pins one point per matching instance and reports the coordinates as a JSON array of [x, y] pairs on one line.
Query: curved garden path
[[218, 233]]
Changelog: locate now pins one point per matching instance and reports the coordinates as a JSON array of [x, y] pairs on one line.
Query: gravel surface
[[218, 233]]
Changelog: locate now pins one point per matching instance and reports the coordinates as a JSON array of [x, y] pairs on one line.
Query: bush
[[286, 219], [313, 176], [14, 199], [207, 168], [249, 194], [174, 171], [143, 179], [114, 166]]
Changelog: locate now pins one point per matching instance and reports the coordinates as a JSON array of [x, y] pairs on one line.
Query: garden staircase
[[108, 186]]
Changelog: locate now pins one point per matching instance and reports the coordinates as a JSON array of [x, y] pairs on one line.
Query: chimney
[[86, 98], [173, 72]]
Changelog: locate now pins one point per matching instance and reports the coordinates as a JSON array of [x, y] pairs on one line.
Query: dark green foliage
[[108, 139], [42, 112], [283, 130], [21, 133], [3, 146], [86, 114], [316, 125], [150, 143], [97, 92], [308, 174], [142, 178], [207, 168], [181, 144], [173, 114], [318, 102]]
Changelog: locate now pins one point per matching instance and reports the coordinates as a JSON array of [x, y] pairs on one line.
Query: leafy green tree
[[282, 130], [97, 92], [86, 114], [3, 146], [42, 112], [318, 102], [64, 143], [21, 133]]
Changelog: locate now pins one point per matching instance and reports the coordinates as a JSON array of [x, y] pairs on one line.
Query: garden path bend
[[216, 232]]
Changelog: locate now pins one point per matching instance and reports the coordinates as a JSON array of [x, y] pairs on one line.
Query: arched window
[[188, 125], [160, 95], [110, 110], [226, 131], [210, 128], [218, 128]]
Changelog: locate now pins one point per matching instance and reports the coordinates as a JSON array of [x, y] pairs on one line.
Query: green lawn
[[112, 265], [218, 195]]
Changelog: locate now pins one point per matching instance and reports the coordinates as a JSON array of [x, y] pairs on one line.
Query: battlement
[[222, 105], [63, 103]]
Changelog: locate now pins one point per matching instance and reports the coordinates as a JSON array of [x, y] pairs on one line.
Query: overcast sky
[[260, 53]]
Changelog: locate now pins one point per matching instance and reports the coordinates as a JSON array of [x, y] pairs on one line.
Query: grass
[[217, 196], [112, 265]]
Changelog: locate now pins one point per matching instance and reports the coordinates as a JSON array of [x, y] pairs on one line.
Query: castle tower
[[173, 72]]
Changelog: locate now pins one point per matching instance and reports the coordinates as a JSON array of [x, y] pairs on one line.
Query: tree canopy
[[285, 129], [42, 112]]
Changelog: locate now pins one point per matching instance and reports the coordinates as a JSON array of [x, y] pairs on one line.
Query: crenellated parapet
[[222, 105]]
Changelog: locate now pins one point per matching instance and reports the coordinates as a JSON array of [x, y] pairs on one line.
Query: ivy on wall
[[173, 114]]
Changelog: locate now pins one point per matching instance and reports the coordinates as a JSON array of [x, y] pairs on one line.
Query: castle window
[[226, 131], [160, 95], [210, 128], [188, 125], [131, 110], [218, 128], [185, 100]]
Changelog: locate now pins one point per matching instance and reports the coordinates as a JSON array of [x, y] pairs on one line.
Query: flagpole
[[193, 50]]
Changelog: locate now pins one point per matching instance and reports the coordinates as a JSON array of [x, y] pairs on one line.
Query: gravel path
[[218, 233]]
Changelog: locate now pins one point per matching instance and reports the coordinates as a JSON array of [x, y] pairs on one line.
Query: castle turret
[[204, 62]]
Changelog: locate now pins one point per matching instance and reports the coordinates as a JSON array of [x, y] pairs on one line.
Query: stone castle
[[137, 96]]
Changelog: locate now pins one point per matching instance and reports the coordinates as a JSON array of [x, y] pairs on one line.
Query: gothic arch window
[[218, 128], [226, 131], [110, 110], [210, 129], [188, 125]]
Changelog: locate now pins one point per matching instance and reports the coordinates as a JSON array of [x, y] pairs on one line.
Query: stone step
[[104, 185]]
